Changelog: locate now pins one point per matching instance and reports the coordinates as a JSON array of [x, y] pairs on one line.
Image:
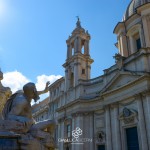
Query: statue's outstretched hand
[[47, 86]]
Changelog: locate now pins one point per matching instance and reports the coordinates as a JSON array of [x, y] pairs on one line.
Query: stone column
[[132, 45], [142, 123], [146, 25], [108, 129], [91, 144], [79, 45], [76, 46], [86, 47], [69, 51], [117, 137], [141, 37], [67, 81], [79, 123], [123, 44], [88, 71], [73, 128], [76, 72], [62, 130], [82, 128], [148, 117], [59, 134]]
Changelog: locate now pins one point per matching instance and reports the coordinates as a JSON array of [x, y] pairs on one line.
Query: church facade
[[112, 111]]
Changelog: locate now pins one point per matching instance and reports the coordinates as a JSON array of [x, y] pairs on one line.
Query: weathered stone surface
[[5, 93], [18, 130], [9, 141]]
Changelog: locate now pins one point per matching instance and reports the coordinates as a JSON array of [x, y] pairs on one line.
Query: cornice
[[126, 86], [77, 101], [82, 113]]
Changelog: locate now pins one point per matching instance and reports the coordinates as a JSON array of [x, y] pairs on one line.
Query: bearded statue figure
[[18, 112]]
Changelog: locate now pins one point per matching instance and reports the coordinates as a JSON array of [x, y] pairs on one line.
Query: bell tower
[[78, 62]]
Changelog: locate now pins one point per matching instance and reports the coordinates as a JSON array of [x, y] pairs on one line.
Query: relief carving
[[128, 116]]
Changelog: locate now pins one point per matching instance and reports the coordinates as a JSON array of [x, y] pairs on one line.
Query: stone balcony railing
[[91, 81]]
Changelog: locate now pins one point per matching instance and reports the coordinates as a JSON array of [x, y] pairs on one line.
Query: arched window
[[135, 38]]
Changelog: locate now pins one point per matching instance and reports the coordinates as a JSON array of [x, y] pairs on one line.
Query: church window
[[135, 41], [138, 43], [83, 71]]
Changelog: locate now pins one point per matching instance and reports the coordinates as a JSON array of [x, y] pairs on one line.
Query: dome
[[131, 9]]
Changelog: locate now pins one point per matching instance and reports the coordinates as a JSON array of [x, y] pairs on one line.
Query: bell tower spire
[[78, 62]]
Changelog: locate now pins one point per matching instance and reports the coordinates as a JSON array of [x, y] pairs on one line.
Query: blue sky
[[33, 34]]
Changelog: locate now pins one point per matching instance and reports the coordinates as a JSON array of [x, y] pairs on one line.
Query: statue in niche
[[18, 112], [101, 137], [5, 93]]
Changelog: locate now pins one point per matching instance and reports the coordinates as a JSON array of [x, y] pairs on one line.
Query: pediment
[[120, 80]]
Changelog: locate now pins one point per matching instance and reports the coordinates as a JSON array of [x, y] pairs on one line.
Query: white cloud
[[42, 79], [15, 80]]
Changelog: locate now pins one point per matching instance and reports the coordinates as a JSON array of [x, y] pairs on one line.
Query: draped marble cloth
[[8, 104]]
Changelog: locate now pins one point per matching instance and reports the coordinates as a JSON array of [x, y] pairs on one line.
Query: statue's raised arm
[[46, 88]]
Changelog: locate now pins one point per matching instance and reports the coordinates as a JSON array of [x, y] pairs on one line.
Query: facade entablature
[[144, 9], [138, 62], [79, 56], [134, 19], [119, 28], [91, 81], [81, 105], [82, 36], [110, 70], [134, 29], [123, 27]]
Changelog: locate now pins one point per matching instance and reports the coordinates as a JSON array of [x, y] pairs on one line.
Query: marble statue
[[5, 93], [17, 119]]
